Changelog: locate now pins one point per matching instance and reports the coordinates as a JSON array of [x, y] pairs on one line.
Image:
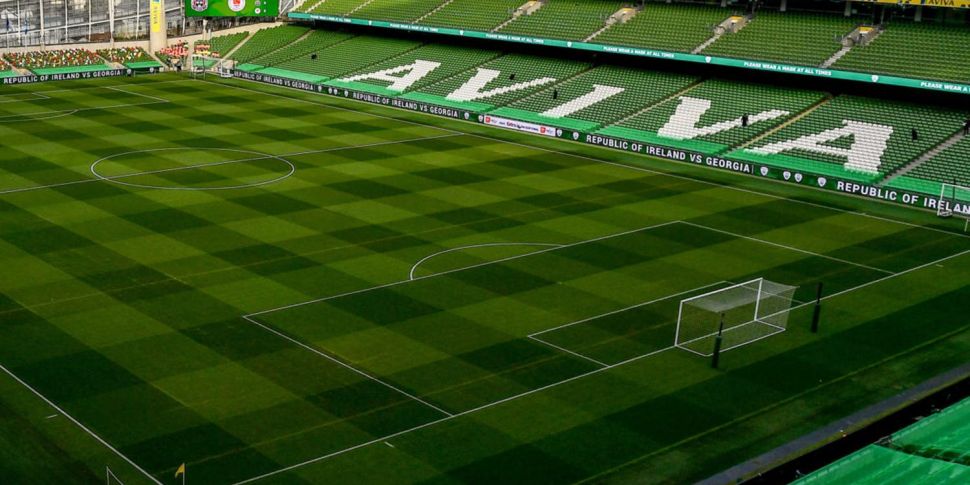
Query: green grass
[[122, 301]]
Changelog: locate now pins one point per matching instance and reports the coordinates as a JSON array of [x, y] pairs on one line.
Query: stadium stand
[[170, 53], [517, 76], [333, 7], [933, 126], [793, 38], [921, 50], [453, 60], [564, 19], [398, 10], [639, 88], [469, 14], [59, 61], [934, 450], [4, 66], [133, 57], [728, 102], [348, 56], [952, 166], [223, 44], [672, 27], [268, 40], [314, 43]]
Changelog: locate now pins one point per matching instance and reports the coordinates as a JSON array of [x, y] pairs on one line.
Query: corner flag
[[181, 471]]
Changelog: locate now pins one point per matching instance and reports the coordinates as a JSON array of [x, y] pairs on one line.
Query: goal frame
[[756, 318], [948, 193]]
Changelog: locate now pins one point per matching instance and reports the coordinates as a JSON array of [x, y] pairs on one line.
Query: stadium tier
[[935, 450], [333, 7], [498, 82], [415, 69], [922, 50], [58, 61], [268, 40], [709, 117], [471, 15], [564, 19], [315, 42], [397, 10], [859, 138], [950, 166], [348, 56], [792, 38], [597, 97], [221, 45], [133, 57], [666, 27]]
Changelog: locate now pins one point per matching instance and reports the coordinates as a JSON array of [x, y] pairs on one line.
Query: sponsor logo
[[875, 78], [764, 171], [200, 5], [575, 135], [822, 181], [707, 59], [237, 5], [786, 174], [798, 177]]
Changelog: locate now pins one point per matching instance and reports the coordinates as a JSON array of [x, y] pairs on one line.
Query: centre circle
[[281, 168]]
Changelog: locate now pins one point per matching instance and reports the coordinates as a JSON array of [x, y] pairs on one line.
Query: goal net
[[201, 65], [749, 311], [954, 200]]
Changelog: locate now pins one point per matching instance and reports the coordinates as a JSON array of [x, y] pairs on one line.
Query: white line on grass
[[78, 423], [203, 165], [347, 366], [156, 98], [631, 307], [502, 260], [3, 119], [462, 248], [577, 354], [790, 248], [438, 421], [555, 384], [599, 160]]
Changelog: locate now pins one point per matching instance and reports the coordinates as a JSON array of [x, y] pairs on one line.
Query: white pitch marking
[[294, 154], [577, 354], [549, 386], [783, 246], [52, 416], [606, 162], [510, 258], [462, 248], [347, 366], [78, 423]]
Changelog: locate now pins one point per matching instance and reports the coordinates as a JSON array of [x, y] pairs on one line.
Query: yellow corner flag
[[180, 471]]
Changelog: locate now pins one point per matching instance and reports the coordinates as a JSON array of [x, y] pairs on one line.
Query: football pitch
[[278, 287]]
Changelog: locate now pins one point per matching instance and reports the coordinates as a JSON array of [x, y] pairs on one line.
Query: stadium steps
[[676, 95], [794, 119], [436, 9], [313, 5], [876, 32], [929, 155], [368, 2], [835, 57], [518, 13], [615, 19], [718, 32], [249, 35]]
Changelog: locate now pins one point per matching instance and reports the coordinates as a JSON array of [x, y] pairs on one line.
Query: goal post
[[954, 200], [750, 311], [201, 64]]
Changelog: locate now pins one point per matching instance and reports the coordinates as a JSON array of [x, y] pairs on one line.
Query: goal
[[953, 200], [741, 313]]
